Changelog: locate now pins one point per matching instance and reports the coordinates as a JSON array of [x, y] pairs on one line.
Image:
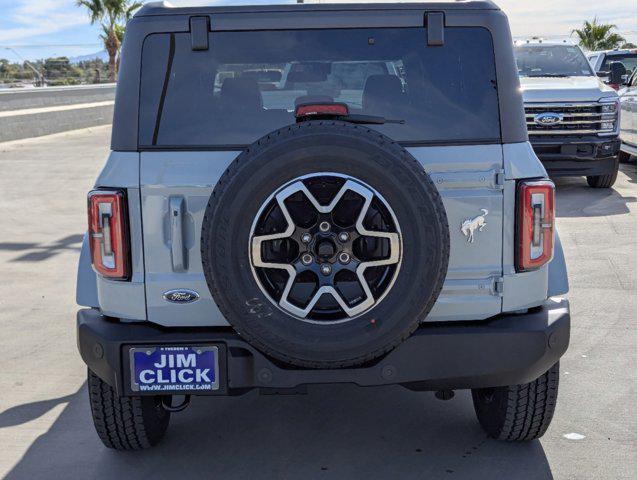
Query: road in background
[[334, 431], [32, 112]]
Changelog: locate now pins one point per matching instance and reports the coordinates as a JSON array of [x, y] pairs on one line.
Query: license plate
[[174, 369]]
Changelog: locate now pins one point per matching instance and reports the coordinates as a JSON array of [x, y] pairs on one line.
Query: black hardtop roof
[[165, 8]]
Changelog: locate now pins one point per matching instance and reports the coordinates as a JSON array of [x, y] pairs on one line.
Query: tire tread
[[120, 422], [527, 412], [604, 181]]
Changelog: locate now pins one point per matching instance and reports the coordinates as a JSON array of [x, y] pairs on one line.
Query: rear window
[[247, 84]]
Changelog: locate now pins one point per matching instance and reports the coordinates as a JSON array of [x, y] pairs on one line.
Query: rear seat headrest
[[241, 93], [382, 94]]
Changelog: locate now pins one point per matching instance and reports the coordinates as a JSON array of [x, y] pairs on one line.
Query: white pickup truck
[[601, 63], [571, 115]]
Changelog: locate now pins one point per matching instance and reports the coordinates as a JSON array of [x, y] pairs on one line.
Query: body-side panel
[[86, 289], [558, 274], [122, 299], [520, 161], [629, 116], [521, 290]]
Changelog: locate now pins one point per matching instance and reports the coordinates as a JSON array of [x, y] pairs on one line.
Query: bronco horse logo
[[470, 225]]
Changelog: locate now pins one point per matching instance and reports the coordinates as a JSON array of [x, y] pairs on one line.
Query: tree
[[598, 36], [111, 14], [628, 45], [119, 33]]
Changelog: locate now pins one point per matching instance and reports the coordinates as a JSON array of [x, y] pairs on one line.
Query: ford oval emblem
[[548, 118], [181, 295]]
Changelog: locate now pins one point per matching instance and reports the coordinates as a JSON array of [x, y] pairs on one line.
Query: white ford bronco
[[310, 194]]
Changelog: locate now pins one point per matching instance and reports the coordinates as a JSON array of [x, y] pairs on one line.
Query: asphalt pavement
[[340, 432]]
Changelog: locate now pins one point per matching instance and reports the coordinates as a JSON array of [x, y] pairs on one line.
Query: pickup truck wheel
[[325, 244], [604, 181], [126, 423], [624, 157], [518, 412]]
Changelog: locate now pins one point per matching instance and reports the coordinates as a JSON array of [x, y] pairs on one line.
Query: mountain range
[[102, 55]]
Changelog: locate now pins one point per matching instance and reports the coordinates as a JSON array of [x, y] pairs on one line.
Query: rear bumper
[[573, 156], [507, 350]]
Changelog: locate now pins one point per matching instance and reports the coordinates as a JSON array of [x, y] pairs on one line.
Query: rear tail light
[[108, 233], [317, 110], [535, 224]]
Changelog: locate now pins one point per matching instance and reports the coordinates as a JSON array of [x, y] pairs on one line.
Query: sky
[[35, 29]]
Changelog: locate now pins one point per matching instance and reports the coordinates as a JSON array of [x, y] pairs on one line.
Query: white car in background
[[600, 61], [628, 135]]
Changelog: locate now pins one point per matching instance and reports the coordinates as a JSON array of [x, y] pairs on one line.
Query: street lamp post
[[28, 64]]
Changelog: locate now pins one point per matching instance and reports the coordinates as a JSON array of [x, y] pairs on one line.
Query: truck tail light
[[535, 224], [317, 110], [108, 233]]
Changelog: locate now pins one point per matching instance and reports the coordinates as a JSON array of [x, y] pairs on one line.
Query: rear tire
[[624, 157], [604, 181], [126, 423], [518, 412]]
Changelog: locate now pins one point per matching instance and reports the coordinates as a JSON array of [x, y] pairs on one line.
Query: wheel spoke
[[303, 312], [394, 245], [394, 238], [257, 241]]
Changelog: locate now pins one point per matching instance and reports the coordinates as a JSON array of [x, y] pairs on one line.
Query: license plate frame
[[149, 353]]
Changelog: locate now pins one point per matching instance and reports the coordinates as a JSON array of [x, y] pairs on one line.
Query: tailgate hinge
[[499, 179], [199, 28], [498, 286], [435, 24]]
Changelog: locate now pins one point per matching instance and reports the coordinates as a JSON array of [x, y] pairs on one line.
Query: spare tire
[[325, 244]]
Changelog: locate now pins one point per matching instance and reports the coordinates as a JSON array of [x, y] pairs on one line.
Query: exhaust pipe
[[167, 404]]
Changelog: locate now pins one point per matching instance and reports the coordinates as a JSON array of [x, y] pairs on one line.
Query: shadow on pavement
[[576, 199], [333, 432], [30, 411], [630, 169], [39, 252]]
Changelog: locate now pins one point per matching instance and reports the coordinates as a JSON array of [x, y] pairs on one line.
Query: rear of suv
[[572, 117], [312, 194]]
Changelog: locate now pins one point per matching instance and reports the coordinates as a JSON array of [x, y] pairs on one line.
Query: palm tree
[[598, 36], [119, 34], [110, 13]]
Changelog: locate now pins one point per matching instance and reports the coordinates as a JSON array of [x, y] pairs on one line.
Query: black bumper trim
[[574, 156], [577, 168], [507, 350]]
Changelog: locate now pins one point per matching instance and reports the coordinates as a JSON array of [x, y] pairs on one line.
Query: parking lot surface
[[333, 431]]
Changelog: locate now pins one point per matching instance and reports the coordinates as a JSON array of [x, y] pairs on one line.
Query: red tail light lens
[[536, 224], [321, 109], [108, 233]]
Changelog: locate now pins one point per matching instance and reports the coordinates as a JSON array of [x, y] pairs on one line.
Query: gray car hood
[[567, 89]]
